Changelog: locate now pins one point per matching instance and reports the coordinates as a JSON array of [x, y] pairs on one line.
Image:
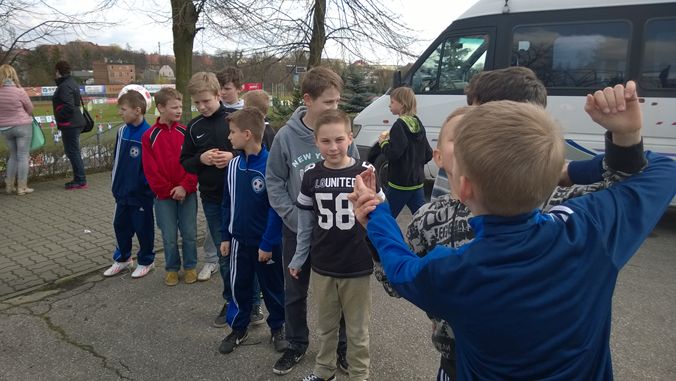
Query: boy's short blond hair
[[166, 94], [258, 99], [333, 116], [203, 81], [133, 99], [406, 98], [513, 154], [462, 110], [249, 118], [319, 79], [230, 74]]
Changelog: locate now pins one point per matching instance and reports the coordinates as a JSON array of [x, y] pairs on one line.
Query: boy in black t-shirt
[[340, 259]]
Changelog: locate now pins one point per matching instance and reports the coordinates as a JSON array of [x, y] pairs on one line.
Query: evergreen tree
[[357, 93]]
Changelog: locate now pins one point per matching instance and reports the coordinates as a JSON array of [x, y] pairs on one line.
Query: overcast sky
[[427, 17]]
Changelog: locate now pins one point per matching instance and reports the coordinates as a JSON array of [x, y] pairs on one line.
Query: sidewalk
[[52, 234]]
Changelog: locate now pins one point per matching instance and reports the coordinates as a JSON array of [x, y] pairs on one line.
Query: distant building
[[167, 73], [114, 74], [83, 76]]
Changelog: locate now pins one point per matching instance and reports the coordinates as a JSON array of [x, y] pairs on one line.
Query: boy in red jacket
[[174, 188]]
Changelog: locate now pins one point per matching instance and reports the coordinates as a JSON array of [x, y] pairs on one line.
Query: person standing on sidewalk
[[16, 126], [133, 196], [70, 121], [174, 188]]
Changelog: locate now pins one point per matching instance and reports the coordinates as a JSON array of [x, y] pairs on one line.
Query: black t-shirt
[[338, 246]]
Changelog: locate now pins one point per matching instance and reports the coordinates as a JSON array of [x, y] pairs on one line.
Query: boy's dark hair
[[166, 94], [333, 116], [63, 67], [318, 79], [248, 118], [258, 99], [513, 154], [230, 74], [133, 99], [516, 83]]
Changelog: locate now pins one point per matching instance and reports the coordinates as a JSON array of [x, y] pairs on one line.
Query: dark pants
[[130, 220], [214, 217], [397, 199], [295, 299], [244, 266], [71, 146]]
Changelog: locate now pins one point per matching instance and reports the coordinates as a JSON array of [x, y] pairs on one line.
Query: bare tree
[[23, 23], [358, 27]]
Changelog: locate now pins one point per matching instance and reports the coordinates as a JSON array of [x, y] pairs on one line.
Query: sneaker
[[341, 359], [118, 266], [232, 341], [72, 185], [289, 359], [142, 270], [278, 340], [257, 317], [171, 279], [314, 377], [190, 276], [207, 270], [221, 320]]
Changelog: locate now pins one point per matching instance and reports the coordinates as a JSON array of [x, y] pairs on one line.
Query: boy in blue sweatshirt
[[133, 196], [251, 233], [530, 296]]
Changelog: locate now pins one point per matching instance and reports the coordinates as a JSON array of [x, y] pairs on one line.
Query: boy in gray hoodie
[[292, 150]]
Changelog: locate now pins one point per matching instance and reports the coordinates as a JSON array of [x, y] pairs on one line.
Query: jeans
[[214, 217], [414, 199], [295, 298], [71, 145], [211, 252], [171, 216], [18, 142]]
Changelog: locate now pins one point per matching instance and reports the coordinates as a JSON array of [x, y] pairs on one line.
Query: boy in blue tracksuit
[[133, 196], [251, 232], [530, 297]]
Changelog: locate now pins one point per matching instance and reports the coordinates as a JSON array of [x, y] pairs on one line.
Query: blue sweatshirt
[[130, 186], [247, 214], [530, 297]]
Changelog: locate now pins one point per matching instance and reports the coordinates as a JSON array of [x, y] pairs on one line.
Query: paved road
[[82, 326]]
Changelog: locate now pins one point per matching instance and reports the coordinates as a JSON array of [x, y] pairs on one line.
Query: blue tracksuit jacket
[[247, 215], [130, 186], [530, 297]]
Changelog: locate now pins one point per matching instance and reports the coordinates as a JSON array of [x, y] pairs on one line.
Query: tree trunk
[[184, 22], [318, 39]]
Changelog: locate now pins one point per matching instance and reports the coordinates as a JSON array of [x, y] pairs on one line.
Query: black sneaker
[[289, 359], [221, 320], [341, 360], [257, 317], [278, 340], [234, 339], [314, 377]]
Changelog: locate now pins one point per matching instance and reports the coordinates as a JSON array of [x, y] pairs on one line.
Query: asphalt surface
[[61, 320]]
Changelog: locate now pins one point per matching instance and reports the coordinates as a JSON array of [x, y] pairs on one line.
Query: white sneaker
[[142, 270], [207, 270], [118, 266]]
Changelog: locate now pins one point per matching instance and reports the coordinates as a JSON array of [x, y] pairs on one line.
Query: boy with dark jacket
[[133, 196]]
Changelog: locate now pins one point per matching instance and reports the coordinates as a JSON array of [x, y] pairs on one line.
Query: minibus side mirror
[[396, 79]]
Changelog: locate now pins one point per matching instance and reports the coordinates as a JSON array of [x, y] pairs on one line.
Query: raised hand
[[617, 109]]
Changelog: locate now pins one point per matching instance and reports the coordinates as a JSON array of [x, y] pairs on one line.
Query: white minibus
[[575, 47]]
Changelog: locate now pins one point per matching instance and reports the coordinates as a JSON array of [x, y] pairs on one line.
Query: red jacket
[[161, 151]]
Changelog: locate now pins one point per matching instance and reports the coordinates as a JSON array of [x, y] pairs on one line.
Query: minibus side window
[[658, 68], [451, 65], [577, 55]]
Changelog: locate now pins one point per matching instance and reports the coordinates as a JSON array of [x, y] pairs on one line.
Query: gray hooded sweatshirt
[[292, 150]]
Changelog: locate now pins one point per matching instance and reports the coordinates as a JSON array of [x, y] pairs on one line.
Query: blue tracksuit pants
[[130, 220], [244, 266]]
